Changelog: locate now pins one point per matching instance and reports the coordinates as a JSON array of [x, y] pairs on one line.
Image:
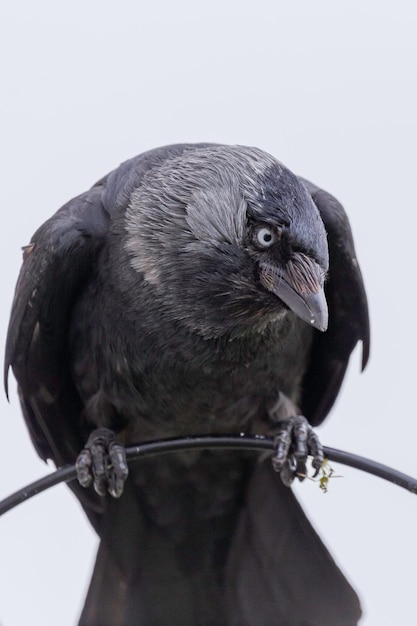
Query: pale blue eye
[[265, 237]]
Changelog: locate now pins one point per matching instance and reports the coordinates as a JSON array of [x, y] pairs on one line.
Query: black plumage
[[183, 294]]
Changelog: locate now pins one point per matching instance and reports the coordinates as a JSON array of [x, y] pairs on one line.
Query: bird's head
[[228, 239]]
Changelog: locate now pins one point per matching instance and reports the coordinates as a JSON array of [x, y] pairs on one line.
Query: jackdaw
[[184, 294]]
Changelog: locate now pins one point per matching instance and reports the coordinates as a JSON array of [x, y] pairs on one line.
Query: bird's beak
[[302, 291]]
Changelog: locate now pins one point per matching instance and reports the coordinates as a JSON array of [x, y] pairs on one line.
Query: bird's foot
[[295, 441], [103, 463]]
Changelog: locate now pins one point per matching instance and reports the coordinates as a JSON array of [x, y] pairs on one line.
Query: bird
[[196, 289]]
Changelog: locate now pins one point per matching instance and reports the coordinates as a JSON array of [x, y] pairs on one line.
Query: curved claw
[[295, 441], [103, 463]]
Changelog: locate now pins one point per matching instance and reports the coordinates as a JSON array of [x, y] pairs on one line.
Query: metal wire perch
[[236, 442]]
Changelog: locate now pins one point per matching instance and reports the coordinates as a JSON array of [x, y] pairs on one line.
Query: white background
[[327, 87]]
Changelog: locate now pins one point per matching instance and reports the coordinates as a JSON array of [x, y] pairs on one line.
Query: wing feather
[[348, 313]]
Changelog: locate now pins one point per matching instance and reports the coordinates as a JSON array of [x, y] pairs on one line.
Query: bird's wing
[[348, 313], [56, 264]]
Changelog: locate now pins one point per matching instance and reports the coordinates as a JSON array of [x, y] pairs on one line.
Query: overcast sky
[[327, 87]]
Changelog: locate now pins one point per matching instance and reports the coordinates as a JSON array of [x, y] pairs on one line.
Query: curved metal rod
[[235, 442]]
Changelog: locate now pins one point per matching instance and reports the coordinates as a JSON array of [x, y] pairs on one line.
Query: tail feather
[[142, 577], [279, 572]]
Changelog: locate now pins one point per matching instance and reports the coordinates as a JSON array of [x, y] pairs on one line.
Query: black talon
[[103, 463]]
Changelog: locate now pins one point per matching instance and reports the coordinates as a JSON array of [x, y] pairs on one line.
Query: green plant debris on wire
[[325, 474]]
